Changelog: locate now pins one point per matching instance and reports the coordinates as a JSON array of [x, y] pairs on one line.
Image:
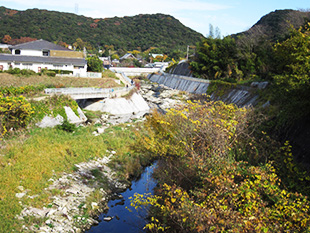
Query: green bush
[[15, 112], [62, 71], [27, 72], [50, 73], [94, 64], [24, 90], [13, 71], [53, 105], [202, 188], [67, 126], [220, 87]]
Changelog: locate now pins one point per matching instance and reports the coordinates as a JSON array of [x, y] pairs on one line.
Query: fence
[[82, 75], [94, 75], [84, 90]]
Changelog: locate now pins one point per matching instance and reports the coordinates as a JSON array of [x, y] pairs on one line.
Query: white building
[[4, 46], [41, 54]]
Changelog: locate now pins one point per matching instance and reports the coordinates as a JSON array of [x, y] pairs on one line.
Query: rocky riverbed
[[66, 212], [161, 97], [156, 96]]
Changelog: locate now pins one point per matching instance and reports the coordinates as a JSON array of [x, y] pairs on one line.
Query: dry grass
[[18, 80]]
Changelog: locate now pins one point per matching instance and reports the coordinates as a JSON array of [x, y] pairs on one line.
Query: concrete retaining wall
[[134, 71], [241, 96], [183, 83]]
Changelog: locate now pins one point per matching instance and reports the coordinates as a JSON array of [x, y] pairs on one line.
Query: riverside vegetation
[[221, 168], [30, 156], [218, 173], [229, 169]]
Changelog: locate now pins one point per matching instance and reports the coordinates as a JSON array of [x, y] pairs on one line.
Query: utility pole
[[187, 52]]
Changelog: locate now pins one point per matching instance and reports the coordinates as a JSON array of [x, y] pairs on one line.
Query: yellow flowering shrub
[[15, 112], [203, 188]]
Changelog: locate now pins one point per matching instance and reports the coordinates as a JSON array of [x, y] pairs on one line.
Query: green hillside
[[128, 33], [276, 25]]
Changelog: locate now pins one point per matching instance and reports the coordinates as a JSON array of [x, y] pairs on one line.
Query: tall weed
[[203, 188]]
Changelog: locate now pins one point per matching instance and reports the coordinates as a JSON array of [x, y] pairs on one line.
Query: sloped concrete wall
[[242, 96], [118, 106], [182, 83], [182, 69]]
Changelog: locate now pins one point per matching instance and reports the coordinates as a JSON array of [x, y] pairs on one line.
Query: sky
[[230, 16]]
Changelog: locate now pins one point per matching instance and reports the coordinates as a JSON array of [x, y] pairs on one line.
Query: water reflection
[[119, 219]]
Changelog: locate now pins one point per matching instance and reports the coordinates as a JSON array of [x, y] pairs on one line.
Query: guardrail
[[126, 78], [82, 75], [82, 90]]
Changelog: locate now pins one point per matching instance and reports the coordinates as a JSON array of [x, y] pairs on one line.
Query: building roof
[[127, 55], [4, 46], [48, 60], [154, 55], [39, 45]]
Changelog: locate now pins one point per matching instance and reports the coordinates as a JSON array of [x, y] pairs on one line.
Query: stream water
[[122, 219]]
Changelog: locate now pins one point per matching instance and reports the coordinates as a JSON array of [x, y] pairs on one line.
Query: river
[[122, 219]]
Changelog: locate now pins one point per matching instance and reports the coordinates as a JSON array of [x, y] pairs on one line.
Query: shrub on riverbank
[[15, 112], [205, 183], [24, 90]]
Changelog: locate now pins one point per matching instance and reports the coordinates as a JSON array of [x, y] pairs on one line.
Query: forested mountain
[[144, 31], [252, 53], [276, 25]]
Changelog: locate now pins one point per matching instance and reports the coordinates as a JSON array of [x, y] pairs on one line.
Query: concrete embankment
[[134, 71], [240, 95], [182, 83]]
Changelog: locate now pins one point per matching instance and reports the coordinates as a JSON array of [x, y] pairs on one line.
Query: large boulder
[[132, 107], [73, 118], [49, 121]]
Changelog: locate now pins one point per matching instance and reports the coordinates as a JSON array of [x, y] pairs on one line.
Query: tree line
[[139, 32]]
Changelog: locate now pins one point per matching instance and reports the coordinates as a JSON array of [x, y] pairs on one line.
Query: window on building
[[17, 51], [58, 66], [46, 53], [27, 66]]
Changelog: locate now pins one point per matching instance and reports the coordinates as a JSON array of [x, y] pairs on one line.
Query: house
[[106, 62], [127, 56], [154, 55], [41, 54], [115, 62], [4, 46]]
